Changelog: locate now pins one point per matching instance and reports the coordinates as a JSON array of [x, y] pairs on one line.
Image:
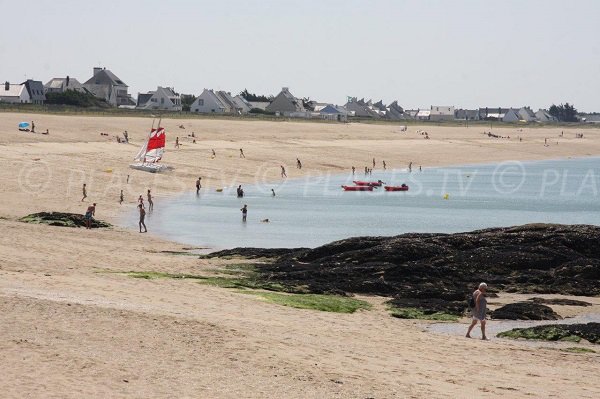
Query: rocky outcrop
[[62, 219], [525, 311], [252, 253], [557, 332], [549, 259], [560, 301]]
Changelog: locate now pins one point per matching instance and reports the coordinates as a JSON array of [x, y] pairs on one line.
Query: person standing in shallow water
[[198, 185], [142, 218], [479, 310], [244, 213], [150, 202]]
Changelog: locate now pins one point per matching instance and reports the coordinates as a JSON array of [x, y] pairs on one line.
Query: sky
[[466, 53]]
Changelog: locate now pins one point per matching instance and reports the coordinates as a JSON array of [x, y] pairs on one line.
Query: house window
[[201, 102], [162, 100]]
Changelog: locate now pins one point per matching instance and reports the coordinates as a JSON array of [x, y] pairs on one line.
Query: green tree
[[255, 97], [564, 112], [186, 101]]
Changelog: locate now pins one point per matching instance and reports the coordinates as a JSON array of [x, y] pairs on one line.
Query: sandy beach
[[75, 326]]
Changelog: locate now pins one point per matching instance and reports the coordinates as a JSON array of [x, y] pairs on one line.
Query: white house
[[208, 103], [423, 114], [163, 98], [216, 102], [60, 85], [14, 94], [441, 113]]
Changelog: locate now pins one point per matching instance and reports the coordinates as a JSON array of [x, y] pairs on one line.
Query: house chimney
[[67, 81], [96, 70], [285, 89], [6, 86]]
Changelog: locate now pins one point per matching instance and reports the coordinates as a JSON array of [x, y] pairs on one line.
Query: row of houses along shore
[[109, 88]]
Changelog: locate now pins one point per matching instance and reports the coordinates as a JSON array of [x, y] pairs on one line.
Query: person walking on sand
[[283, 174], [214, 154], [177, 142], [242, 153], [142, 217], [127, 179], [353, 170], [121, 198], [298, 163], [244, 213], [32, 127], [89, 214], [373, 162], [150, 202], [479, 305], [198, 185], [84, 190], [384, 165]]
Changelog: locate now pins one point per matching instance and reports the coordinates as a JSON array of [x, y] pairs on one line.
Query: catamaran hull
[[150, 167]]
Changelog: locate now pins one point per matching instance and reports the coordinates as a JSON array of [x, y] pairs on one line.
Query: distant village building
[[527, 115], [362, 109], [544, 116], [261, 105], [14, 94], [35, 89], [107, 86], [285, 103], [466, 114], [489, 113], [60, 85], [441, 113], [396, 112], [423, 114], [511, 116], [219, 102], [242, 105], [163, 98]]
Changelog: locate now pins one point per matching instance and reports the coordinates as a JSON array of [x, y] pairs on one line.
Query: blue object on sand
[[23, 125]]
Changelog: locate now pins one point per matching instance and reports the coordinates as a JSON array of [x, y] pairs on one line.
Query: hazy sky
[[462, 53]]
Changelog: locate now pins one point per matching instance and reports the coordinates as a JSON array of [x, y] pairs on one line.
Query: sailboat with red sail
[[149, 156]]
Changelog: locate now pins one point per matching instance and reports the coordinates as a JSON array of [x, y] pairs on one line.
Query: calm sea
[[311, 211]]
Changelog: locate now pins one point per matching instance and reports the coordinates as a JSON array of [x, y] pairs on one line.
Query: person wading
[[142, 217]]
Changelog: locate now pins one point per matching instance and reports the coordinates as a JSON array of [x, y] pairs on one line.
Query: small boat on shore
[[403, 187], [357, 188], [377, 183]]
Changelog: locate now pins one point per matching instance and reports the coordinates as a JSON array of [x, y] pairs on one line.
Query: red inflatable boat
[[403, 187], [378, 183], [357, 188]]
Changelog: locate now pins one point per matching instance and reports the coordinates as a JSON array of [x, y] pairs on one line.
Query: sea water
[[314, 210]]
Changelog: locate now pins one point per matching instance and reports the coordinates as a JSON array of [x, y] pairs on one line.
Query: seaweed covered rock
[[557, 332], [525, 311], [537, 258], [560, 301], [62, 219], [252, 253]]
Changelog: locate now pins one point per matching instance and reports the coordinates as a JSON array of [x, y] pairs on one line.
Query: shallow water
[[314, 210], [494, 327]]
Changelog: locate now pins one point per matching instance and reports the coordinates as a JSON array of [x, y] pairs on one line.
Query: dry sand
[[72, 328]]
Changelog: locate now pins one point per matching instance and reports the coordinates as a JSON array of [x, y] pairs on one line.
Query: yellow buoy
[[108, 170], [446, 196]]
